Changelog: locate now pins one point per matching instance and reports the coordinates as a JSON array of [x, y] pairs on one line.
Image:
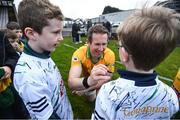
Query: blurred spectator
[[108, 26], [89, 24], [15, 27], [13, 39], [9, 107], [75, 34]]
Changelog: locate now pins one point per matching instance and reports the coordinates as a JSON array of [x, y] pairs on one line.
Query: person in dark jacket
[[75, 34], [8, 54], [9, 109], [89, 24], [108, 26]]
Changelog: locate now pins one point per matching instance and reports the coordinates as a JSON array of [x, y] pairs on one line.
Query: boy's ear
[[30, 33], [124, 54]]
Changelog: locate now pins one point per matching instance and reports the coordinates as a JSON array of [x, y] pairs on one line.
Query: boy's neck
[[34, 47], [139, 71], [131, 67], [32, 52]]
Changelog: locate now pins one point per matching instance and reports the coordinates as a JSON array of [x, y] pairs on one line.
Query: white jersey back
[[41, 87], [121, 99]]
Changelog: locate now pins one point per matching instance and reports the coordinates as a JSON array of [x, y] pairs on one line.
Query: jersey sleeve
[[76, 59], [174, 102], [176, 85], [35, 94], [176, 82], [110, 60], [101, 106]]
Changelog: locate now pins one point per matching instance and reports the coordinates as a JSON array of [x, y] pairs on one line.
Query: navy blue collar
[[28, 50], [140, 79]]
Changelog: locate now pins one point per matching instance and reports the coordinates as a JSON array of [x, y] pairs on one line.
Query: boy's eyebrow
[[10, 39], [57, 30]]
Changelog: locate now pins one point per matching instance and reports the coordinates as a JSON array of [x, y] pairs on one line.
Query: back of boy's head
[[36, 13], [12, 25], [149, 36]]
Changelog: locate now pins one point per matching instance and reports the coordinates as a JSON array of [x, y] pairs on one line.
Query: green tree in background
[[109, 9]]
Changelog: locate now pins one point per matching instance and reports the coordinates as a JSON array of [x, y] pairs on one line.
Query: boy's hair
[[10, 34], [13, 25], [149, 35], [98, 28], [36, 13]]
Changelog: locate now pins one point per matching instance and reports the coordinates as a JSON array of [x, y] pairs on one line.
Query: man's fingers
[[100, 77], [98, 72], [6, 76], [100, 66]]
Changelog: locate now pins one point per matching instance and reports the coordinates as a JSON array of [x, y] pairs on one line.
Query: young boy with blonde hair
[[146, 38], [37, 78]]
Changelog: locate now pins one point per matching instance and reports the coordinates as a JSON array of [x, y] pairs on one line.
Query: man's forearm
[[76, 83]]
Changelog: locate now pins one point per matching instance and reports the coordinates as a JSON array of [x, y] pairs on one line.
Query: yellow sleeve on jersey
[[109, 57], [78, 56], [176, 82], [75, 60]]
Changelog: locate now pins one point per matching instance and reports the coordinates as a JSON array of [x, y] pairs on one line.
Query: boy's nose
[[60, 38], [16, 45]]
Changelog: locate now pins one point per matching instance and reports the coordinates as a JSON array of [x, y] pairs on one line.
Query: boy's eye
[[11, 41], [56, 32], [18, 31]]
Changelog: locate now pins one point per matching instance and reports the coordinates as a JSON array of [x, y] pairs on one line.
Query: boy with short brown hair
[[37, 78], [146, 38]]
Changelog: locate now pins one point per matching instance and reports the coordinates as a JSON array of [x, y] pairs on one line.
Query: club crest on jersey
[[75, 59]]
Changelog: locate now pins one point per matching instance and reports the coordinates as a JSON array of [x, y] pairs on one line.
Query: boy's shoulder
[[27, 61], [30, 66], [119, 83], [24, 63], [122, 84], [120, 88]]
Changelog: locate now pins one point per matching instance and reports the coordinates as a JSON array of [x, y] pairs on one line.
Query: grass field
[[81, 107]]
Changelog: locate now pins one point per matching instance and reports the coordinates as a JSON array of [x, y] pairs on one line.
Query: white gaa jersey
[[124, 99], [41, 87]]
